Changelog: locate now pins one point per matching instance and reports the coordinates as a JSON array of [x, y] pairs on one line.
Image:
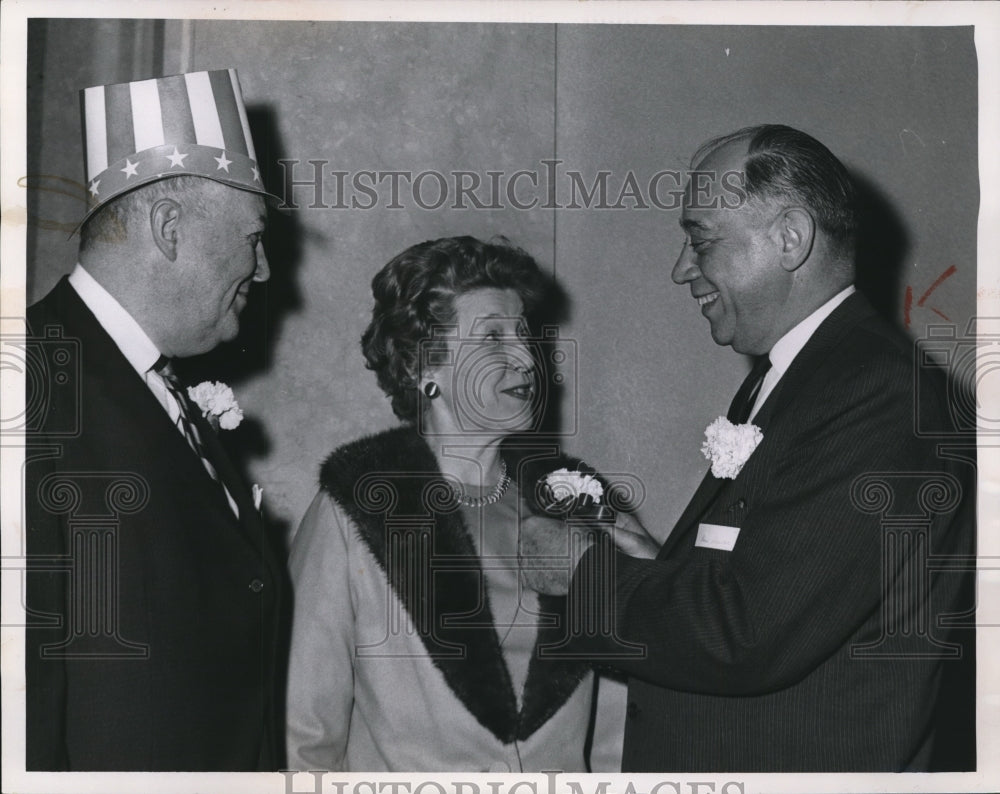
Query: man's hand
[[631, 537]]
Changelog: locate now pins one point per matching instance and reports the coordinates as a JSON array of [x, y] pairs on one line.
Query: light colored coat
[[365, 693]]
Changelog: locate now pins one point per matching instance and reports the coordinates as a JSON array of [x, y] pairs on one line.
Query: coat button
[[632, 710], [256, 585]]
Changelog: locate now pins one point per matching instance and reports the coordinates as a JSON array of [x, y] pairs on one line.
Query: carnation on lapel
[[217, 404], [729, 446]]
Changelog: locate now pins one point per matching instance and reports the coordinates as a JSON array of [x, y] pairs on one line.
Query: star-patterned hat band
[[139, 132]]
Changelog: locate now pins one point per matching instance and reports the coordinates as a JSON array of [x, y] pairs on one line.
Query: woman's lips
[[523, 391]]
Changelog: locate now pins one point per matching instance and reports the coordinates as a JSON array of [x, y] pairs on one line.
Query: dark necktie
[[742, 405], [187, 427]]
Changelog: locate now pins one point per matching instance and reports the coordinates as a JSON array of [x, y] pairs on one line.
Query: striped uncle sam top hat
[[187, 124]]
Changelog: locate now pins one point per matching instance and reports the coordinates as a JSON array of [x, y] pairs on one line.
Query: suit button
[[256, 585], [633, 710]]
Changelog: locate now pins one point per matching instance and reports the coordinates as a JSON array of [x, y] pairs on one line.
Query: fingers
[[628, 522], [633, 545], [631, 537]]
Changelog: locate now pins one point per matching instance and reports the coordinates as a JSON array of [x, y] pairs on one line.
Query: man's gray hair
[[782, 162], [110, 224]]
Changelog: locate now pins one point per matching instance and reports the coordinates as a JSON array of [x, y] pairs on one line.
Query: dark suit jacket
[[813, 644], [153, 637]]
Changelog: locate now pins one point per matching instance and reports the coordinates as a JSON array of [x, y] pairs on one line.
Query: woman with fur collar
[[414, 648]]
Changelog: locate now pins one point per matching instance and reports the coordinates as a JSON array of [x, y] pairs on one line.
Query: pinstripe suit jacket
[[812, 645]]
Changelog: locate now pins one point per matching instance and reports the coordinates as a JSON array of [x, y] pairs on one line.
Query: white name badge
[[717, 536]]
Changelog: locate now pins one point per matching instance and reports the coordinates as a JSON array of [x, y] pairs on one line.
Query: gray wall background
[[898, 105]]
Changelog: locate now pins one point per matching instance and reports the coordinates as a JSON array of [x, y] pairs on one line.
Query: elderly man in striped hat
[[154, 591]]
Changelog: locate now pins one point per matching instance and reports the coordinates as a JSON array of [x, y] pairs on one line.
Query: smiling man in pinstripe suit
[[789, 622], [154, 636]]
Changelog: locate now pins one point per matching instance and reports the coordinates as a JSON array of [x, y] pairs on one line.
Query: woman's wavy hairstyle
[[415, 296]]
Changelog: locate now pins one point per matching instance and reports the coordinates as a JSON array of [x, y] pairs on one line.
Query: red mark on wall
[[908, 298]]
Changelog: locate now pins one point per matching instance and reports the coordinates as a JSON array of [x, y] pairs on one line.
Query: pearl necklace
[[493, 498]]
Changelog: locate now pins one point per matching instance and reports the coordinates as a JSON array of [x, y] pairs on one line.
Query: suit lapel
[[126, 390], [826, 337], [703, 497], [824, 340]]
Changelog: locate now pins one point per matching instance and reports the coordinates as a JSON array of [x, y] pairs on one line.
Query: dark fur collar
[[390, 486]]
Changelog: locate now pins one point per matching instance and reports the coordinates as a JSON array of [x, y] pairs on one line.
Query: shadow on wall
[[883, 247], [553, 362], [883, 244], [270, 303]]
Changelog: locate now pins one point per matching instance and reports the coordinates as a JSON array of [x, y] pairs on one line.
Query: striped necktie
[[184, 423]]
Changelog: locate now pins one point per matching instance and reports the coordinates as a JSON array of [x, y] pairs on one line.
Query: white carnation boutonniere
[[573, 494], [729, 446], [217, 404], [565, 485]]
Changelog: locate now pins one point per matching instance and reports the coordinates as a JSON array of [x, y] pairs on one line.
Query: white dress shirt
[[136, 346], [790, 345], [126, 333]]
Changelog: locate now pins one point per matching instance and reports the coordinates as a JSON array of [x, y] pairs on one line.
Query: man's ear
[[164, 218], [795, 232]]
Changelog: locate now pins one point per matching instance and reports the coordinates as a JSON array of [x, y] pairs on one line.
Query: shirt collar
[[126, 333], [788, 347]]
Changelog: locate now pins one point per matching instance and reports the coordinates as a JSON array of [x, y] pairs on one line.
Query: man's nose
[[685, 268], [263, 271]]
